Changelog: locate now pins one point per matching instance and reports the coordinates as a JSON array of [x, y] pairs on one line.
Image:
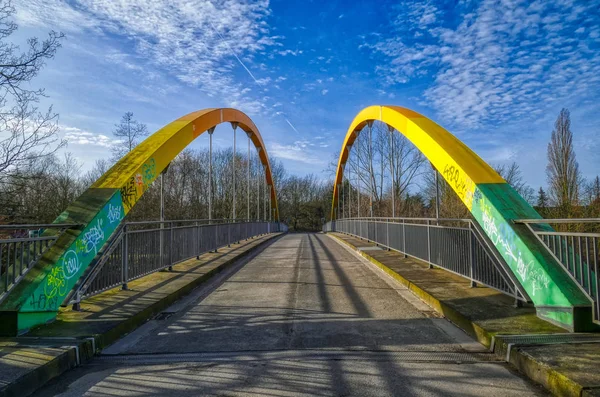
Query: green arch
[[100, 209], [494, 205]]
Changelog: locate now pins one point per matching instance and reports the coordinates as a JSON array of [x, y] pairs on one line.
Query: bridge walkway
[[304, 317]]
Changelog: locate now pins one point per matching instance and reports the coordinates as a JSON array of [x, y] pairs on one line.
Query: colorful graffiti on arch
[[138, 184], [70, 266], [107, 201], [493, 203]]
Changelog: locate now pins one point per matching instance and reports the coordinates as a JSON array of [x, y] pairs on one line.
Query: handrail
[[118, 262], [562, 220], [510, 284], [41, 225], [404, 218]]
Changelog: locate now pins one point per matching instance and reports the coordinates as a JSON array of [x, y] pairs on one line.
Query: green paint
[[36, 299], [546, 282], [63, 276]]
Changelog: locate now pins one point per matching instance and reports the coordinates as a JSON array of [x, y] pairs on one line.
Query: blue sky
[[494, 73]]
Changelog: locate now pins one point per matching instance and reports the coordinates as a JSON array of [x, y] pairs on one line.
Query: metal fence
[[20, 248], [456, 245], [577, 251], [140, 248]]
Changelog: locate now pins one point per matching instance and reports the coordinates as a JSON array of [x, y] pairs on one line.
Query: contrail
[[294, 128], [244, 66]]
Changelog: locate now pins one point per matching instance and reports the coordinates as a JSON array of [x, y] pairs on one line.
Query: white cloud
[[77, 136], [302, 151], [501, 62], [324, 92], [195, 41]]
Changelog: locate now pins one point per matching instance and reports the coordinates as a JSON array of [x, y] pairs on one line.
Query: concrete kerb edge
[[87, 347], [34, 379], [557, 383]]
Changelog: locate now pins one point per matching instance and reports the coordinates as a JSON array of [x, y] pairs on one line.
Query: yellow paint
[[459, 165], [132, 174]]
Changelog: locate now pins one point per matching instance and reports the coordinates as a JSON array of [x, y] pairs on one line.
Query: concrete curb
[[557, 383], [77, 351], [84, 349]]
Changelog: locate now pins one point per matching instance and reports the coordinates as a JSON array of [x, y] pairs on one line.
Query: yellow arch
[[493, 203], [444, 150], [101, 208], [150, 157]]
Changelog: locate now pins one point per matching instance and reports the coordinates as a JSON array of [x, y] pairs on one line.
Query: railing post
[[77, 304], [198, 244], [171, 247], [125, 259], [437, 195], [429, 244], [391, 130], [387, 232], [258, 185], [248, 179], [404, 238], [234, 125], [216, 237], [210, 171], [471, 255]]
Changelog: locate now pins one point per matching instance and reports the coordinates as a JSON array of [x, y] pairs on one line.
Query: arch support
[[100, 210], [493, 203]]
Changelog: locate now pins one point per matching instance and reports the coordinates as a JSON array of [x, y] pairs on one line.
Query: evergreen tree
[[542, 201]]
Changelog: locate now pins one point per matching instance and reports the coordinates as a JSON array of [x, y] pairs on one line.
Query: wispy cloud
[[504, 60], [78, 136], [302, 151], [199, 43]]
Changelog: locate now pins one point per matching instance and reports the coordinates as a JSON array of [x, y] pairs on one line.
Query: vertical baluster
[[581, 274], [5, 270], [589, 266]]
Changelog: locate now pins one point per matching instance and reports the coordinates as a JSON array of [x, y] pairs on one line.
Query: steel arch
[[100, 209], [493, 203]]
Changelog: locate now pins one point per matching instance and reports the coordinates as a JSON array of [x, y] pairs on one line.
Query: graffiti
[[462, 184], [149, 171], [94, 237], [43, 302], [56, 283], [71, 264], [539, 280], [138, 184], [129, 194], [501, 239], [115, 213]]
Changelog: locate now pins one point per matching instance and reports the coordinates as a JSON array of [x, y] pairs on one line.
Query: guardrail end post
[[517, 304], [124, 260]]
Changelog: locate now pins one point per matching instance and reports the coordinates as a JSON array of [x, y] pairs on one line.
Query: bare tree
[[514, 177], [564, 177], [26, 134], [130, 130]]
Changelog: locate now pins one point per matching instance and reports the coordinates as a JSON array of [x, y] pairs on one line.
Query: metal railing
[[577, 251], [141, 248], [21, 246], [455, 245]]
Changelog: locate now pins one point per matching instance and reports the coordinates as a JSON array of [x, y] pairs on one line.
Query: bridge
[[356, 309]]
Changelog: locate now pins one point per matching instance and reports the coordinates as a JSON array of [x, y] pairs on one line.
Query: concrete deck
[[305, 317], [28, 362], [567, 368]]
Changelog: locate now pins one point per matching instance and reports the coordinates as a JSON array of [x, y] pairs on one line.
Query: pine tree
[[542, 201]]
